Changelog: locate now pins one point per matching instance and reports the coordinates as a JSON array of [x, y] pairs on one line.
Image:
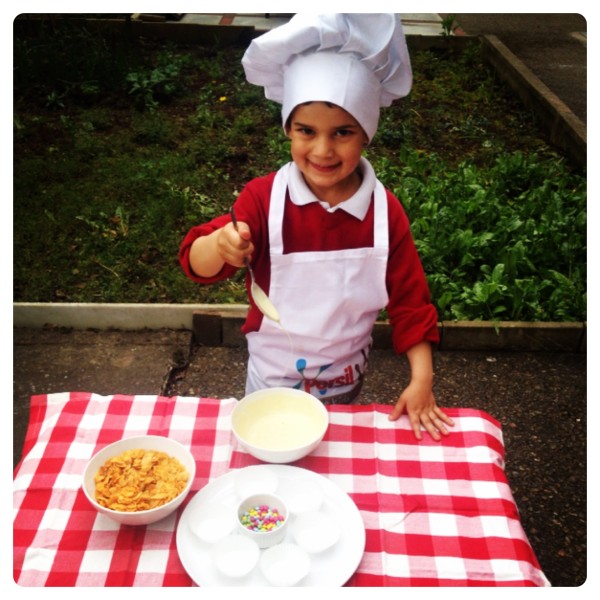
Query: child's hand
[[420, 405], [234, 245]]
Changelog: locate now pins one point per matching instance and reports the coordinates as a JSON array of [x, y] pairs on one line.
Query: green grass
[[121, 145]]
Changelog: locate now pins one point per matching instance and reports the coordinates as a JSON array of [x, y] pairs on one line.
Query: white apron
[[327, 301]]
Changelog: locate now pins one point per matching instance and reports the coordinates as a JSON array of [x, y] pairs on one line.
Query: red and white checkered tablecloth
[[435, 513]]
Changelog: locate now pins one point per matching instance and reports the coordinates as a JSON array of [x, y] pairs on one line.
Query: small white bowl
[[144, 442], [315, 532], [285, 565], [264, 539], [235, 556], [212, 522], [279, 425]]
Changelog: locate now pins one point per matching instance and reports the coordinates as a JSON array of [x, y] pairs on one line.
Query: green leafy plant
[[151, 85], [503, 243], [449, 26]]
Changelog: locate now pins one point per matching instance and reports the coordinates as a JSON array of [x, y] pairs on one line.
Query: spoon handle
[[235, 224], [233, 219]]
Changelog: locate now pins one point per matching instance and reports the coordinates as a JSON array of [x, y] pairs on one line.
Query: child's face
[[327, 144]]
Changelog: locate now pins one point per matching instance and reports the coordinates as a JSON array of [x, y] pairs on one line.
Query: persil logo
[[323, 385]]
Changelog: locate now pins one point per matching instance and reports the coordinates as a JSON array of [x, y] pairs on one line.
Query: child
[[328, 243]]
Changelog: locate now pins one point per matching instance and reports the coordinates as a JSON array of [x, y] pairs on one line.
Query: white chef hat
[[357, 61]]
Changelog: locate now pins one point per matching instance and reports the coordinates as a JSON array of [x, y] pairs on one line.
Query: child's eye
[[344, 132], [304, 130]]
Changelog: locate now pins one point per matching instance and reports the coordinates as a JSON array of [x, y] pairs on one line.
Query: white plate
[[331, 568]]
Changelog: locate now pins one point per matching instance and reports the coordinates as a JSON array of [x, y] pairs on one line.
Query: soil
[[457, 109]]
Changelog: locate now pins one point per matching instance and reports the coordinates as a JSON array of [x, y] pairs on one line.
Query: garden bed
[[123, 143]]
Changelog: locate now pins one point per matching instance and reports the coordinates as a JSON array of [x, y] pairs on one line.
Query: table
[[435, 513]]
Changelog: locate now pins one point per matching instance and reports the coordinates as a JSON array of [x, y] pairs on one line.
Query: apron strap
[[276, 208], [381, 233]]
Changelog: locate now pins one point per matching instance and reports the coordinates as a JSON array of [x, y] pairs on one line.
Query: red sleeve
[[412, 315], [192, 235], [251, 206]]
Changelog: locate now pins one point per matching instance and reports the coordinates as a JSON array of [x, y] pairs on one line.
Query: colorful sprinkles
[[262, 518]]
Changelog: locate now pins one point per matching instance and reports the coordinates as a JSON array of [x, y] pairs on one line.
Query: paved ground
[[540, 398], [553, 46]]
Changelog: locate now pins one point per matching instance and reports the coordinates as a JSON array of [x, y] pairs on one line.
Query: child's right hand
[[234, 245]]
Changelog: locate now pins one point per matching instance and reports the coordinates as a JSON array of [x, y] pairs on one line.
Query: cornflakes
[[139, 480]]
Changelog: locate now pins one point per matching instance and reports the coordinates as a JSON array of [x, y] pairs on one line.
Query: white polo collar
[[357, 205]]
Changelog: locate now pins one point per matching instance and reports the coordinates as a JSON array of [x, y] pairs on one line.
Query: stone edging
[[565, 129], [219, 325]]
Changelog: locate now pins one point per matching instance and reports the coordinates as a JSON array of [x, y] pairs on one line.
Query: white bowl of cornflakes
[[139, 480]]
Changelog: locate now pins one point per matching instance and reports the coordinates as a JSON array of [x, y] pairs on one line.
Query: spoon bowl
[[260, 297], [262, 300]]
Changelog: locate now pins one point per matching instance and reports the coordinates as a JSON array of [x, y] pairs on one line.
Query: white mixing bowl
[[279, 425]]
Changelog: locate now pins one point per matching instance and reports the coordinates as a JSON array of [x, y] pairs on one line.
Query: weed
[[150, 86], [449, 26]]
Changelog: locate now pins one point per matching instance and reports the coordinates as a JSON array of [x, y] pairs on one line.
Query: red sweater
[[311, 228]]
